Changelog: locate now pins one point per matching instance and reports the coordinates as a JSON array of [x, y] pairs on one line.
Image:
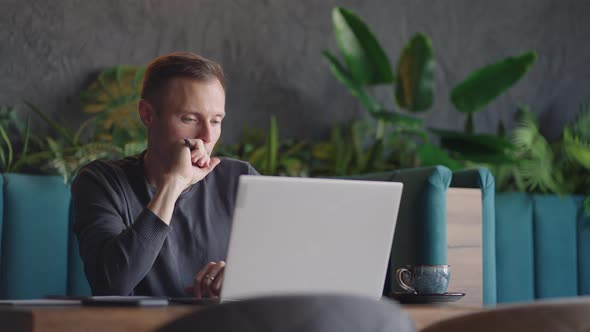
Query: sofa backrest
[[482, 179], [542, 247], [37, 256], [420, 232]]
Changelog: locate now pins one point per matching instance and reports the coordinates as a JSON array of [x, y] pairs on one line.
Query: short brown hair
[[177, 64]]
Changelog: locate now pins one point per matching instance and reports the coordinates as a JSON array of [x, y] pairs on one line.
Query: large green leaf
[[432, 155], [485, 84], [415, 75], [113, 97], [476, 147], [343, 76], [362, 53]]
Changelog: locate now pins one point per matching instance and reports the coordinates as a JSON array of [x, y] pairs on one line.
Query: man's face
[[187, 109]]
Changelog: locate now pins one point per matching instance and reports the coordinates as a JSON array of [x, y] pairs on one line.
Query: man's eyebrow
[[221, 114]]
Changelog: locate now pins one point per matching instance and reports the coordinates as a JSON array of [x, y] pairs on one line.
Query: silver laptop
[[310, 236]]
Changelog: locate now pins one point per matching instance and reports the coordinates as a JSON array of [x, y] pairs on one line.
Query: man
[[158, 223]]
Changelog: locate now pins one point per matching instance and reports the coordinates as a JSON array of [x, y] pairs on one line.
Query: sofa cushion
[[483, 179], [35, 236], [583, 229], [555, 240], [420, 231], [515, 276]]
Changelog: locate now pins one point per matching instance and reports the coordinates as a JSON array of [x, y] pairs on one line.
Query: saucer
[[410, 298]]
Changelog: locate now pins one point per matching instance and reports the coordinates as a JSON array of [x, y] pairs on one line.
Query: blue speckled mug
[[424, 279]]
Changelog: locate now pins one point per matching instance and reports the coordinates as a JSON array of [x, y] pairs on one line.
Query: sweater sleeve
[[117, 254]]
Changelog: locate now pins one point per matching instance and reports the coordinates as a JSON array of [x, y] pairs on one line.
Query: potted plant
[[365, 65]]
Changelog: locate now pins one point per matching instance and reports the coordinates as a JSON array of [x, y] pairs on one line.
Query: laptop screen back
[[301, 235]]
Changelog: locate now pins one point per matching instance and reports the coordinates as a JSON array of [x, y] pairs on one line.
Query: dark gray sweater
[[128, 250]]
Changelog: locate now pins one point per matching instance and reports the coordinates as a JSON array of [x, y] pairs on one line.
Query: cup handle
[[403, 285]]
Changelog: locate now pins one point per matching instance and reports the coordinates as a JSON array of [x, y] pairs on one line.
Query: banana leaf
[[415, 75], [483, 148], [344, 77], [485, 84], [363, 55], [431, 155]]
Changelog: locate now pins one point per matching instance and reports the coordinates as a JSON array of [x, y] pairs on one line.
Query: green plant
[[113, 131], [561, 167], [352, 150], [268, 154], [576, 142], [365, 64], [113, 98], [67, 152], [10, 126]]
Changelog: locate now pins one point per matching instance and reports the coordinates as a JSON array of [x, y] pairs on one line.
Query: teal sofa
[[542, 247], [534, 246], [39, 254], [483, 180]]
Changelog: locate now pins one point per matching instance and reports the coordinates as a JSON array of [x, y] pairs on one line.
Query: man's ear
[[146, 113]]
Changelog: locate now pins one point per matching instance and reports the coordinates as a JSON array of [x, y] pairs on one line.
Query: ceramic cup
[[424, 279]]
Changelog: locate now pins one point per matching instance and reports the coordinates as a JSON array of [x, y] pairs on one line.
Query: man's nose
[[205, 133]]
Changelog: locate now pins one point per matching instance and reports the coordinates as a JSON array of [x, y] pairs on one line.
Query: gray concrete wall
[[271, 52]]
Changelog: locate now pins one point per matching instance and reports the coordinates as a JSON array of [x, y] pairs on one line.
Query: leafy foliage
[[415, 78], [268, 153], [539, 166], [113, 131], [487, 83], [535, 156], [365, 64], [10, 126], [113, 98], [364, 57], [67, 152]]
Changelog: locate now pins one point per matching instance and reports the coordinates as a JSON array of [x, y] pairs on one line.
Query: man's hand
[[191, 166], [181, 169], [208, 281]]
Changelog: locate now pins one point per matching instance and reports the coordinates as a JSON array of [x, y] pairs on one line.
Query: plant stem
[[380, 130], [469, 123]]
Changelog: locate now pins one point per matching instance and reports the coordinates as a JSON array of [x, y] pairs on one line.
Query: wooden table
[[120, 319]]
